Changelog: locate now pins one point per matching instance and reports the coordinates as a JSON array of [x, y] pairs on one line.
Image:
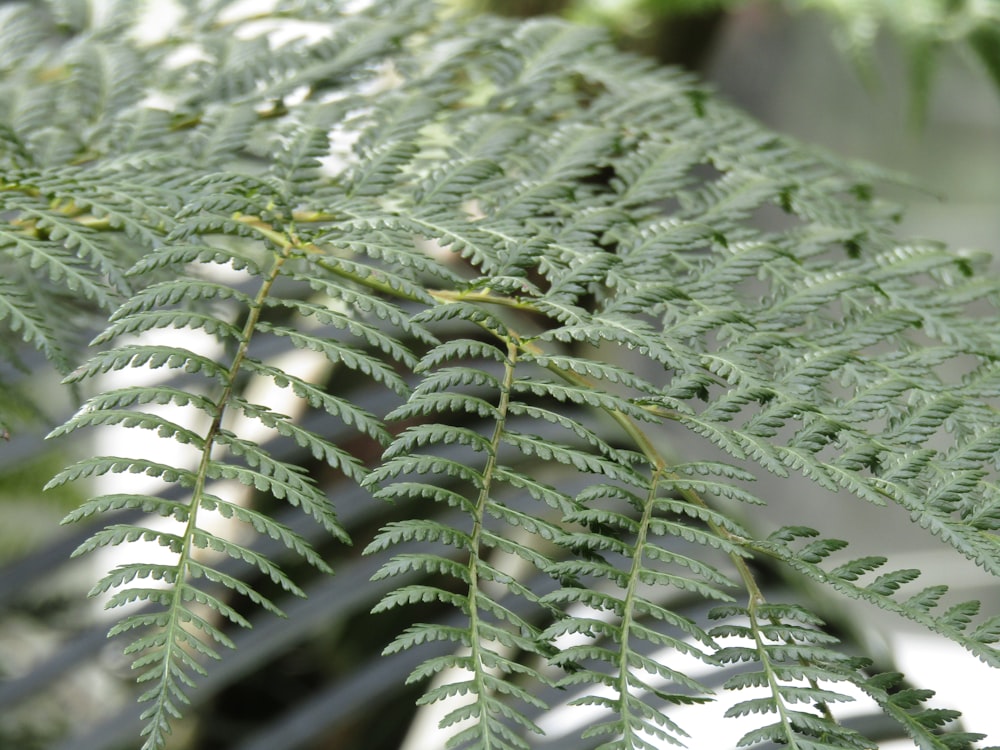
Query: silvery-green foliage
[[553, 260]]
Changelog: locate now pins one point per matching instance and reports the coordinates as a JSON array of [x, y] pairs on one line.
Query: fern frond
[[549, 263], [640, 685], [785, 646], [489, 620], [298, 157], [22, 316], [797, 665], [162, 643], [52, 260], [853, 579]]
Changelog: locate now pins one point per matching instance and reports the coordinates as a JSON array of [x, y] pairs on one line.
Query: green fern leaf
[[548, 261]]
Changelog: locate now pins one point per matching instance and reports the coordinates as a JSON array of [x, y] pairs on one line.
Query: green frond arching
[[622, 665], [485, 551], [858, 579], [560, 270], [786, 646], [224, 455]]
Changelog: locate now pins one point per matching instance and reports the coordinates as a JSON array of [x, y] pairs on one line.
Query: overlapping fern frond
[[599, 306], [795, 662], [166, 651]]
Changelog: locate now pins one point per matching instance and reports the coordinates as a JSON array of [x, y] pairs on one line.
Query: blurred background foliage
[[682, 31], [913, 85]]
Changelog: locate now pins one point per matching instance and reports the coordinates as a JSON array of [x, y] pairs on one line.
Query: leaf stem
[[162, 694], [476, 537], [487, 297], [630, 593]]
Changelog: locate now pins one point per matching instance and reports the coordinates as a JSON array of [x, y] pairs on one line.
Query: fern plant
[[548, 256]]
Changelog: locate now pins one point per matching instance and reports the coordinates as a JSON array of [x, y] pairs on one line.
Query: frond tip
[[803, 678]]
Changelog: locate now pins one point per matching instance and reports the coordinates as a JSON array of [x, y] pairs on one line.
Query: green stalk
[[163, 690]]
